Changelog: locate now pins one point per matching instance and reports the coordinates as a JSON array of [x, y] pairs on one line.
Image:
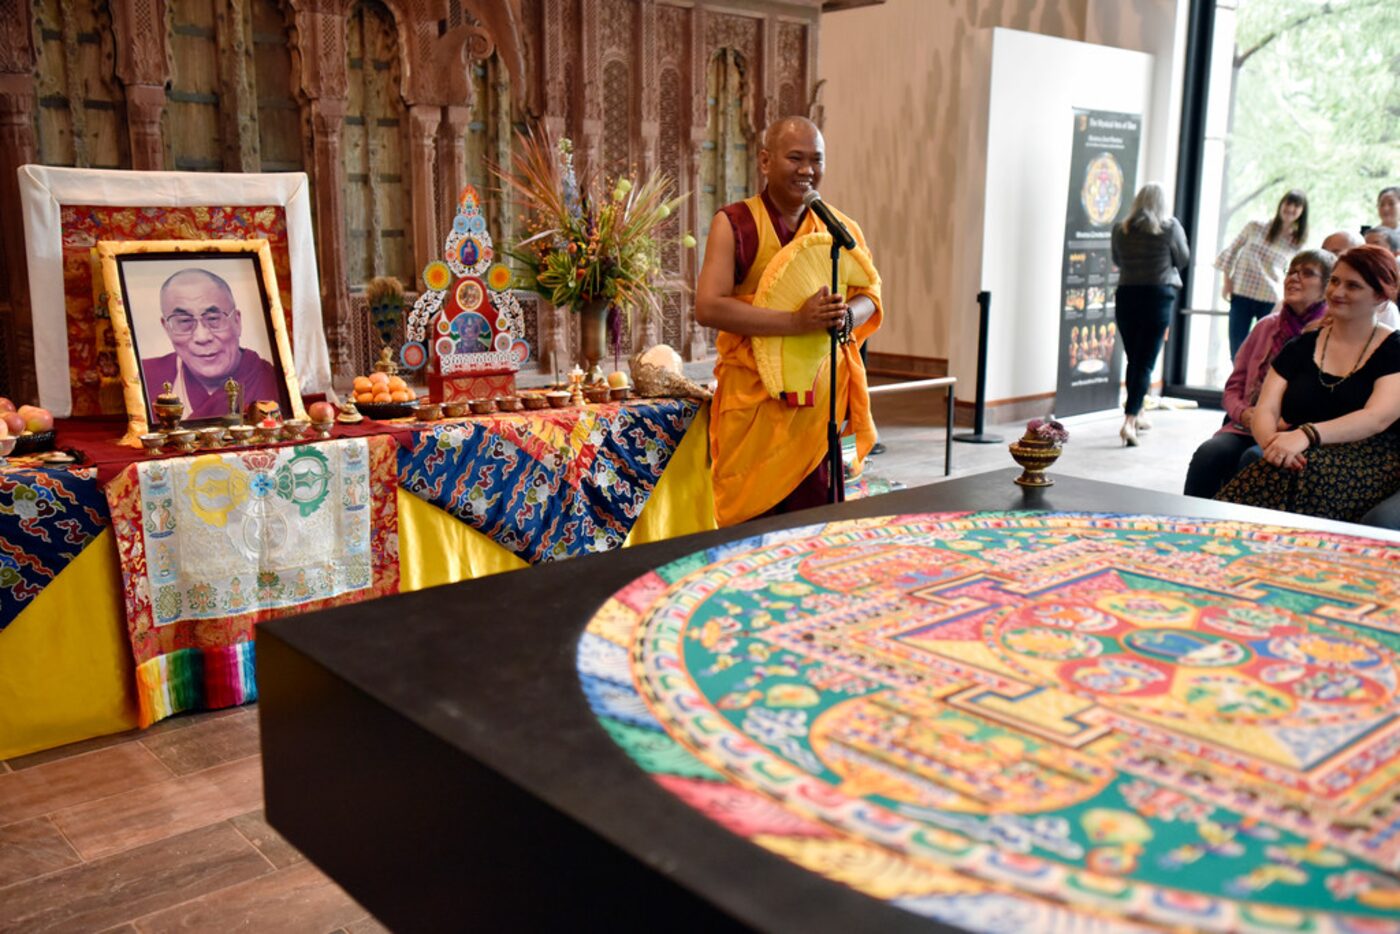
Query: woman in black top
[[1328, 417]]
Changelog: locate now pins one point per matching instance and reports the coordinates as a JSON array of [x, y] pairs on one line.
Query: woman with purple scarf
[[1218, 459]]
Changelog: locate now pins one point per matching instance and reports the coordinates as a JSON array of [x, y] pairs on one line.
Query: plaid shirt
[[1254, 265]]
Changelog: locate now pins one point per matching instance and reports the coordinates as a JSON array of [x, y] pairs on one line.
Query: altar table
[[494, 793], [66, 669]]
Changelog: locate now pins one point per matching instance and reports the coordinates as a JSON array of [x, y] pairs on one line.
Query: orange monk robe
[[761, 448]]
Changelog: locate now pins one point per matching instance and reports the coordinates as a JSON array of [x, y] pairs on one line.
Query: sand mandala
[[1029, 722]]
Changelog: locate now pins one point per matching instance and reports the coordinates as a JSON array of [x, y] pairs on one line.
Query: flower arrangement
[[585, 244], [1048, 430]]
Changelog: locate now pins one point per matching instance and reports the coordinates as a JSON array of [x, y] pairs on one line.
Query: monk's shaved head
[[779, 130]]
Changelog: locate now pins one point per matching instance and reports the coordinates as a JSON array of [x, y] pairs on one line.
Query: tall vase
[[593, 334]]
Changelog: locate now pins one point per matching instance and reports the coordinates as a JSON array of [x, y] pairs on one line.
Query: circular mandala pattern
[[460, 224], [437, 276], [1067, 720], [413, 355], [498, 277]]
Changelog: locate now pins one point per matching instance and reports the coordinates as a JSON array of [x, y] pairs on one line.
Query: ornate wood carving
[[627, 79]]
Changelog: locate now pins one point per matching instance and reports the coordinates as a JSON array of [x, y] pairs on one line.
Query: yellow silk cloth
[[761, 448], [65, 663]]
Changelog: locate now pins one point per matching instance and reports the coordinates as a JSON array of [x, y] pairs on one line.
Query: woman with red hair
[[1328, 416]]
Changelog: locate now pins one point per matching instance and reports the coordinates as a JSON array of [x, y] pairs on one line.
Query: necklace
[[1336, 381]]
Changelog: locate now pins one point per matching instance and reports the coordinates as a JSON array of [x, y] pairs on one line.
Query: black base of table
[[435, 755]]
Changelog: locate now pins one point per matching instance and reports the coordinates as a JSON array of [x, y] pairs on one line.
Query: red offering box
[[468, 387]]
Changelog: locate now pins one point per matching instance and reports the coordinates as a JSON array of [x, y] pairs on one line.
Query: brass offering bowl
[[240, 435], [294, 428], [455, 409], [429, 411], [153, 441], [509, 403], [183, 439], [534, 401], [483, 406]]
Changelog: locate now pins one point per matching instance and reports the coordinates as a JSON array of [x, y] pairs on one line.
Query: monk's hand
[[820, 312], [1247, 418]]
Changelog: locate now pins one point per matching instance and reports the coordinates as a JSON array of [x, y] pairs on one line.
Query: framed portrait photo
[[197, 315]]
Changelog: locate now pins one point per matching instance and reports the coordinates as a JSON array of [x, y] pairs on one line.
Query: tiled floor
[[911, 425], [157, 831], [162, 830]]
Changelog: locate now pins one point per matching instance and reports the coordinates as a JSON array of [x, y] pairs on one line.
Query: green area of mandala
[[681, 567], [767, 694], [657, 752]]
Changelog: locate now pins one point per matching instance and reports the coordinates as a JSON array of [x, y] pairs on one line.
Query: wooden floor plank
[[206, 744], [32, 848], [105, 893], [163, 809], [297, 900], [269, 842], [70, 782]]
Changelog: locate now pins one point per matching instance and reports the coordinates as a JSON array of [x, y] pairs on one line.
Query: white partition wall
[[1013, 186]]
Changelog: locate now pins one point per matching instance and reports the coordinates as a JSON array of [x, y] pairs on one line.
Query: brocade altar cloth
[[549, 484]]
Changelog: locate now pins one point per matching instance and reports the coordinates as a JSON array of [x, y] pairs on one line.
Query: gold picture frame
[[148, 286]]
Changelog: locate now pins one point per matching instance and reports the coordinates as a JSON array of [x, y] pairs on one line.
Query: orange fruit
[[364, 396], [383, 397], [397, 383], [362, 384], [408, 391], [398, 395], [379, 378]]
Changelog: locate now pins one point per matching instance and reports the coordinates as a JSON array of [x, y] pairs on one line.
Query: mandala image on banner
[[1102, 193], [1025, 722]]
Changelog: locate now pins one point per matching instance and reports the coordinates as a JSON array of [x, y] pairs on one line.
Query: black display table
[[435, 755]]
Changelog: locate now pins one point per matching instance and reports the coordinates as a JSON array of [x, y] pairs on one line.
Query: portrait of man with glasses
[[203, 323]]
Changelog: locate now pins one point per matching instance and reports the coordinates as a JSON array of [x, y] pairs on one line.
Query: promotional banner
[[1102, 182]]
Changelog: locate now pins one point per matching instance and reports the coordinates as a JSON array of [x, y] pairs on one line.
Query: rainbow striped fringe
[[195, 679]]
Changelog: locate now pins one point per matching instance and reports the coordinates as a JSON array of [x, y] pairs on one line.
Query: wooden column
[[452, 162], [139, 27], [423, 120], [18, 147], [589, 151], [328, 213], [696, 344]]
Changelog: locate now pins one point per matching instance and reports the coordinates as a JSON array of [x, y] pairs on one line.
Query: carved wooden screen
[[279, 117], [81, 114], [792, 66], [727, 155], [617, 117], [376, 185], [489, 140]]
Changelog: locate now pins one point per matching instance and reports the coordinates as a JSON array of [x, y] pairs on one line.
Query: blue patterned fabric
[[47, 516], [550, 484]]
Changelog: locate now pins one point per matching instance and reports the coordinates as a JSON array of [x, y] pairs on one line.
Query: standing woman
[[1388, 207], [1253, 265], [1150, 251]]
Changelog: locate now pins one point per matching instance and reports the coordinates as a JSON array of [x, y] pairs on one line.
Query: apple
[[618, 379], [4, 430], [35, 418], [6, 405], [321, 412], [13, 422]]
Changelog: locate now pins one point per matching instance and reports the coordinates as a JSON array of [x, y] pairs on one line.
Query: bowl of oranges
[[383, 395]]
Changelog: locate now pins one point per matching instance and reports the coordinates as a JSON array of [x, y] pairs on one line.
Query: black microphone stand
[[833, 432]]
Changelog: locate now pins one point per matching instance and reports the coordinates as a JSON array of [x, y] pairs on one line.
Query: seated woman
[[1216, 461], [1340, 385]]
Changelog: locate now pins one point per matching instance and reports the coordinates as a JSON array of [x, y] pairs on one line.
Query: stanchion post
[[979, 407]]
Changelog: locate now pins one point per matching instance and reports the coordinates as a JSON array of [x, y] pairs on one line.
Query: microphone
[[839, 234]]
